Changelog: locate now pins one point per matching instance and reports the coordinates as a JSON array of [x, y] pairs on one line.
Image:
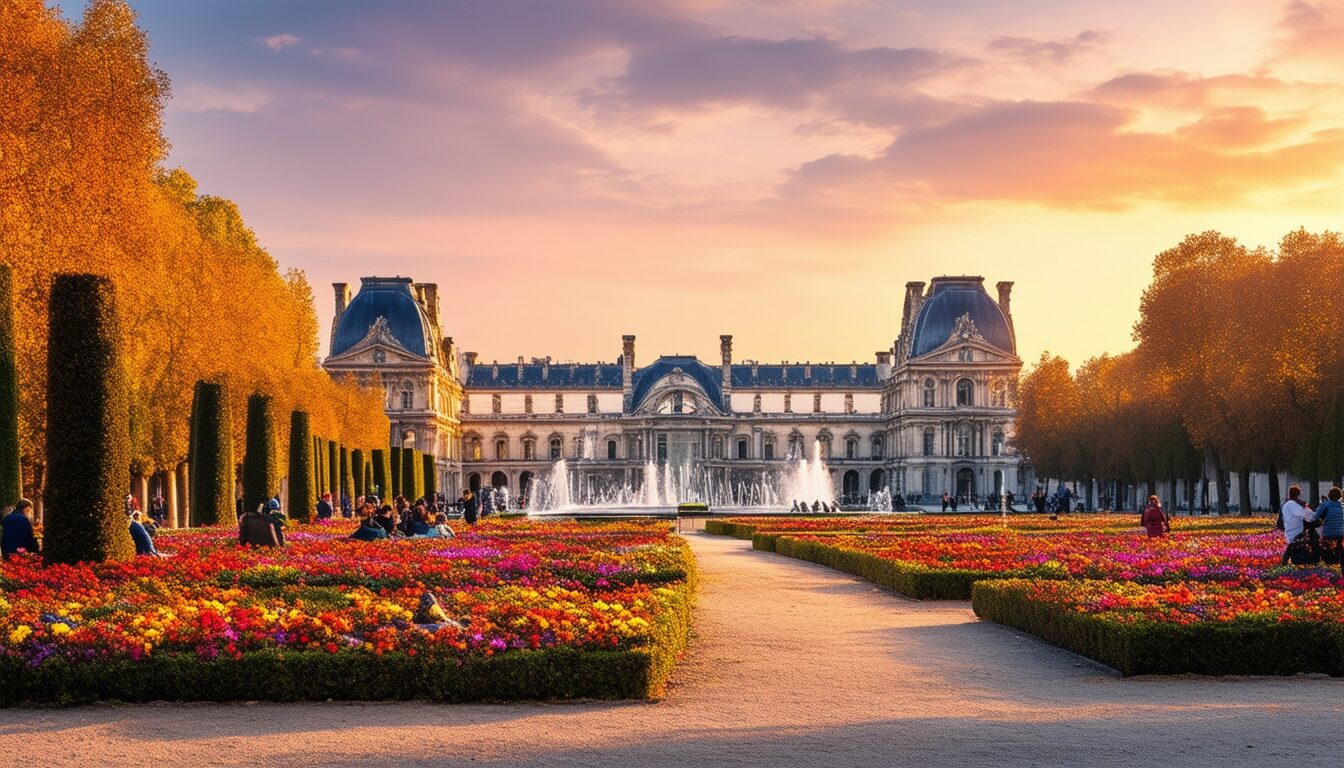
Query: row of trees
[[82, 190], [1236, 366]]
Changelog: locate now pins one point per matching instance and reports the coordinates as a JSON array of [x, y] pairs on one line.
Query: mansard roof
[[708, 378], [592, 376], [961, 300], [806, 376]]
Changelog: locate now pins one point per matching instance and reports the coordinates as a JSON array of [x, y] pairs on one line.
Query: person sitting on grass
[[386, 517], [440, 529], [1331, 515], [17, 535], [369, 530], [144, 544], [277, 518], [255, 529]]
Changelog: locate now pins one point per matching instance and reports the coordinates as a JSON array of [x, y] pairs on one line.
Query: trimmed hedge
[[261, 478], [1238, 647], [408, 462], [558, 673], [430, 474], [357, 472], [908, 579], [378, 460], [88, 425], [394, 471], [347, 481], [210, 483], [334, 471], [11, 479], [302, 491], [725, 528]]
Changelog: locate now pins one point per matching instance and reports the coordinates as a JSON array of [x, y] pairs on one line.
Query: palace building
[[932, 414]]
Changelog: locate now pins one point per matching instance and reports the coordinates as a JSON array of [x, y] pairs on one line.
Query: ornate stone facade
[[728, 428]]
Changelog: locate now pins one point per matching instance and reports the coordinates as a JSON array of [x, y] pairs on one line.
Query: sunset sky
[[778, 170]]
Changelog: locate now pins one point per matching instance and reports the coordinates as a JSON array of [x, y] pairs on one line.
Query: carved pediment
[[379, 346]]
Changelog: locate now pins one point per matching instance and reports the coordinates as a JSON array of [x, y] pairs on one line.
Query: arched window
[[996, 443], [501, 448], [611, 449], [964, 440], [965, 392], [408, 439], [529, 449], [769, 448], [475, 449], [879, 446], [851, 448], [557, 445], [825, 441], [928, 393], [928, 441], [405, 401], [741, 447]]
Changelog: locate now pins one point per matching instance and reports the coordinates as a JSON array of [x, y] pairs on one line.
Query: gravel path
[[792, 664]]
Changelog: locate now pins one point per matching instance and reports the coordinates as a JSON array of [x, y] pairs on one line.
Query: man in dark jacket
[[324, 509], [16, 530], [144, 543], [255, 529]]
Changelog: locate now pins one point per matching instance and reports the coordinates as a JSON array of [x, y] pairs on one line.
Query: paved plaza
[[791, 664]]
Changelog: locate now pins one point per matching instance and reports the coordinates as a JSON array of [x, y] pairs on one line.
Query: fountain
[[568, 490]]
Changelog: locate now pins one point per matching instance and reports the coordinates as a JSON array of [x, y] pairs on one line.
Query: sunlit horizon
[[778, 172]]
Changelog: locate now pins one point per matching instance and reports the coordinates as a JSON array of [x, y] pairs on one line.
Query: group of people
[[1312, 535], [816, 507], [400, 519]]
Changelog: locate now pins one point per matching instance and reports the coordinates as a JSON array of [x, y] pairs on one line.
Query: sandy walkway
[[793, 664]]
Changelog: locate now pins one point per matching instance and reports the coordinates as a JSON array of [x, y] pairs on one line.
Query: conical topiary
[[380, 471], [261, 477], [210, 493], [357, 472], [11, 479], [302, 492], [88, 418], [431, 474]]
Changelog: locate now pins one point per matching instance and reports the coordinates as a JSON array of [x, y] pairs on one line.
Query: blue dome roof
[[389, 298], [708, 378], [953, 297]]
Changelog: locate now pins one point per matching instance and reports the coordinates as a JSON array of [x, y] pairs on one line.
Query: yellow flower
[[20, 633], [60, 629]]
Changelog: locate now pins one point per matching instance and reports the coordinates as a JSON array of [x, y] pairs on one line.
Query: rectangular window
[[662, 447], [405, 401], [741, 449], [928, 443], [555, 450], [611, 449], [769, 451]]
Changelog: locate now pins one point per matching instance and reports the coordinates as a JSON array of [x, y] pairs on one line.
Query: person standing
[[471, 506], [1294, 515], [1155, 518], [16, 531], [946, 501]]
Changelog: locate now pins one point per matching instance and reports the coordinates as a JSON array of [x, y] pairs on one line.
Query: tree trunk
[[140, 490], [182, 515], [1275, 498], [1220, 477], [1190, 493], [1244, 491], [1090, 504], [170, 497]]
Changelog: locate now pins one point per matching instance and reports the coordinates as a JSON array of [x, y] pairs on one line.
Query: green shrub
[[210, 478], [261, 477], [88, 437], [908, 579], [368, 477], [357, 472], [408, 463], [430, 473], [1240, 647], [11, 479], [347, 481], [394, 470], [333, 467], [302, 490], [725, 528], [378, 459]]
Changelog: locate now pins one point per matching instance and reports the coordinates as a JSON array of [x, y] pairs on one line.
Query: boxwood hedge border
[[1238, 647]]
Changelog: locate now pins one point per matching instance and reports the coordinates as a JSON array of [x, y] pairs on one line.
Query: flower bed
[[1287, 624], [533, 610], [745, 527]]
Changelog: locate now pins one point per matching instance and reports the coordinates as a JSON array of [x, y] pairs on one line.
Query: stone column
[[140, 490], [170, 496], [182, 515], [627, 371], [726, 358]]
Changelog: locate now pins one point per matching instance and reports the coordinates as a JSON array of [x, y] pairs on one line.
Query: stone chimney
[[520, 369], [914, 297], [342, 291], [883, 365], [429, 296], [1005, 297], [726, 358], [627, 370]]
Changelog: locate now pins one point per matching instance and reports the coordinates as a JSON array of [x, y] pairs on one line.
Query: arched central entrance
[[850, 487], [965, 484]]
